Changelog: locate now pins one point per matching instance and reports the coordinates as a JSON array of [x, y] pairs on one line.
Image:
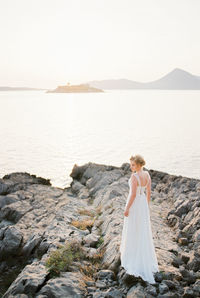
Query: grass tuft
[[83, 224]]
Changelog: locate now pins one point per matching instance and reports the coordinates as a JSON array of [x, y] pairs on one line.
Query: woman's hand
[[126, 212]]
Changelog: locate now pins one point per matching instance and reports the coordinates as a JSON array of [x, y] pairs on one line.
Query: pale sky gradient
[[45, 43]]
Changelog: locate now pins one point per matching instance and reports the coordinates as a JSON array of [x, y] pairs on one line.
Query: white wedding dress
[[137, 250]]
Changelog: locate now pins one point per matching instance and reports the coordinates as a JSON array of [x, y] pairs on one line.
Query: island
[[74, 89]]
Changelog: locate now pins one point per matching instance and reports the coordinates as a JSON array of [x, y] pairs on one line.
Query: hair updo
[[139, 160]]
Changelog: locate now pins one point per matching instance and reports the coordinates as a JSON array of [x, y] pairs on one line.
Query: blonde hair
[[138, 159]]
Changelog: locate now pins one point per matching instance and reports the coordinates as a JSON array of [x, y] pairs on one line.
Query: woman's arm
[[133, 191], [149, 188]]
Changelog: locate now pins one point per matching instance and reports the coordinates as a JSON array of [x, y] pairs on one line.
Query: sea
[[46, 134]]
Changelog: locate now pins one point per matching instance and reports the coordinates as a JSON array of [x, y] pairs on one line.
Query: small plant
[[88, 271], [101, 240], [61, 259], [83, 224], [97, 257], [98, 210]]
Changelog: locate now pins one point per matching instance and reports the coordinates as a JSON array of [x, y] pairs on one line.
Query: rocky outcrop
[[36, 218]]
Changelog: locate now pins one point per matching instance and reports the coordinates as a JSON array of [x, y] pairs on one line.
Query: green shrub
[[61, 259], [101, 240]]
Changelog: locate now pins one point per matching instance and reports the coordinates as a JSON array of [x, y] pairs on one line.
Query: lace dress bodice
[[140, 189]]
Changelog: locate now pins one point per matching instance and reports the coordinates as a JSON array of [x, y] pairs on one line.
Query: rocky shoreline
[[36, 219]]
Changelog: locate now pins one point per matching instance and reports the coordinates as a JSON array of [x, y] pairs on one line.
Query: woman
[[137, 250]]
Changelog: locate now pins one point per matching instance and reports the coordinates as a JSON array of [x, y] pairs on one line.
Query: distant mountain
[[177, 79], [6, 88]]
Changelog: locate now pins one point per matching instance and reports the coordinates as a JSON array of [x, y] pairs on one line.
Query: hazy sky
[[45, 43]]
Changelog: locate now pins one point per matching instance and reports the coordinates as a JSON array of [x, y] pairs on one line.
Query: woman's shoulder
[[133, 176], [133, 179], [147, 173]]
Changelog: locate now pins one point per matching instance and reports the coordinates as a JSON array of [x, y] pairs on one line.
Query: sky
[[46, 43]]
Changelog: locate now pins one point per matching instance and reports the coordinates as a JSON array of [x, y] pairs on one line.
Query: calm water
[[46, 134]]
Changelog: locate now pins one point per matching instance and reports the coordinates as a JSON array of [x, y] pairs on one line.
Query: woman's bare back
[[144, 177]]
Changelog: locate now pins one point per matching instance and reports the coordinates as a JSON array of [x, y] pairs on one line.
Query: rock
[[196, 236], [28, 281], [169, 295], [108, 274], [183, 208], [163, 288], [183, 241], [18, 181], [83, 173], [14, 211], [171, 284], [151, 290], [172, 220], [76, 186], [188, 293], [185, 258], [83, 193], [99, 294], [177, 261], [10, 241], [43, 246], [91, 289], [19, 296], [136, 291], [196, 288], [69, 284], [113, 293], [6, 200], [188, 276], [100, 284], [127, 279], [24, 177], [32, 242], [159, 276], [194, 262]]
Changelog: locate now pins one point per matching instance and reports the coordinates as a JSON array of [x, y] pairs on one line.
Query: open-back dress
[[137, 250]]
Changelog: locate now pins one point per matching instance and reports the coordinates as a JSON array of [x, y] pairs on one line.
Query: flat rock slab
[[163, 237]]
